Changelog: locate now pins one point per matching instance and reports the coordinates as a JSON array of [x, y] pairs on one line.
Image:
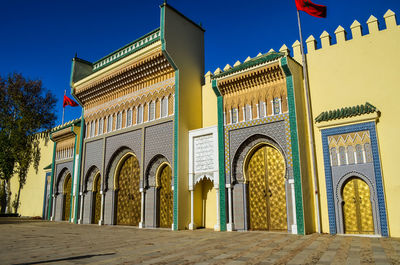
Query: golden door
[[128, 196], [67, 197], [357, 209], [267, 199], [166, 197], [97, 201]]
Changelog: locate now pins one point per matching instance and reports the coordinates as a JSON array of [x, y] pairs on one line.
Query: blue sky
[[39, 38]]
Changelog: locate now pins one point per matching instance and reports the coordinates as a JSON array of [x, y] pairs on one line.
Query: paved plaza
[[26, 241]]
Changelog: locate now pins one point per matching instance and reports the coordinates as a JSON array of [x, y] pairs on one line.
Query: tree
[[26, 111]]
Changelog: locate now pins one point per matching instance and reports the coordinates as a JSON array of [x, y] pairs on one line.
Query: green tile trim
[[176, 117], [267, 57], [128, 49], [295, 147], [51, 182], [221, 157], [346, 112]]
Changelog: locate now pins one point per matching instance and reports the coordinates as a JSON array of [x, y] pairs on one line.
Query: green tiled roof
[[65, 125], [130, 48], [271, 56], [48, 167], [346, 112]]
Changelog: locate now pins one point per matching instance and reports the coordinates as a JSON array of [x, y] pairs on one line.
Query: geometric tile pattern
[[269, 119], [377, 171]]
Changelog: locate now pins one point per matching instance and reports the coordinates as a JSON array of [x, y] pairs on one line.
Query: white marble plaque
[[203, 153]]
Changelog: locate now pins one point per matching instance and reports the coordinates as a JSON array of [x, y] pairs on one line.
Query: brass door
[[357, 209], [97, 201], [166, 197], [267, 199], [67, 197], [128, 195]]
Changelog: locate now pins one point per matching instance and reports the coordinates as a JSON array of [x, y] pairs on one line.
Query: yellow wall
[[205, 204], [184, 44], [209, 103], [32, 194], [352, 72]]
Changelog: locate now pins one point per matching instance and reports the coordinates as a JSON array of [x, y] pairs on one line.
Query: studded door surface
[[357, 209], [257, 191], [276, 189], [97, 201], [128, 195], [165, 198], [267, 197], [67, 197]]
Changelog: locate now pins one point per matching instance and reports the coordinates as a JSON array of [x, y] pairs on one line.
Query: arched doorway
[[67, 198], [205, 204], [96, 199], [127, 187], [265, 174], [165, 195], [357, 208]]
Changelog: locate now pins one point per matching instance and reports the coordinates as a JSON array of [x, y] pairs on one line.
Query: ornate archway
[[357, 208], [264, 169], [126, 184]]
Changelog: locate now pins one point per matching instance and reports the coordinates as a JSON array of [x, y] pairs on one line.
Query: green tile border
[[295, 146], [176, 117], [221, 157]]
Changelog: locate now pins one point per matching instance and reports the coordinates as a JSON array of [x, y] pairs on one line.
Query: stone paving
[[26, 241]]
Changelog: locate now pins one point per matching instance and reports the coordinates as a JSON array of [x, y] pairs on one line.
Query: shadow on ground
[[66, 259]]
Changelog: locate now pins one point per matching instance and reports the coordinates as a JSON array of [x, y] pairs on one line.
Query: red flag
[[68, 101], [311, 8]]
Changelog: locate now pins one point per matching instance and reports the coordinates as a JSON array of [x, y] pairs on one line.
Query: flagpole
[[62, 122], [310, 125]]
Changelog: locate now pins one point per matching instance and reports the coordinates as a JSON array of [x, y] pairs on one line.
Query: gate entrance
[[67, 197], [166, 196], [267, 198], [357, 209], [128, 195]]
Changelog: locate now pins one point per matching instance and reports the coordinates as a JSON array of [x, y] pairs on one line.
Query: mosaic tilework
[[377, 168], [269, 119]]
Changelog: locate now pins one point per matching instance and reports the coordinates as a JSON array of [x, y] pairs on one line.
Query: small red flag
[[68, 101], [311, 8]]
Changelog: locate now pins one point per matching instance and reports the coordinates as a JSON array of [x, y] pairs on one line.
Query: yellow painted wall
[[205, 204], [184, 43], [209, 103], [352, 72], [32, 194]]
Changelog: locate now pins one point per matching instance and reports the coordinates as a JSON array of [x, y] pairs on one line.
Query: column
[[101, 221], [192, 226], [217, 225], [294, 224], [80, 220], [142, 192], [53, 207], [230, 225]]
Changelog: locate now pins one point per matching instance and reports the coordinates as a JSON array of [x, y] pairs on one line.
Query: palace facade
[[162, 144]]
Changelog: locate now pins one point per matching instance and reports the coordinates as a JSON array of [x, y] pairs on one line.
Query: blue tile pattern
[[377, 168]]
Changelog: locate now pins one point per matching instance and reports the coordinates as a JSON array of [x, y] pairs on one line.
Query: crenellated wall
[[349, 73]]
